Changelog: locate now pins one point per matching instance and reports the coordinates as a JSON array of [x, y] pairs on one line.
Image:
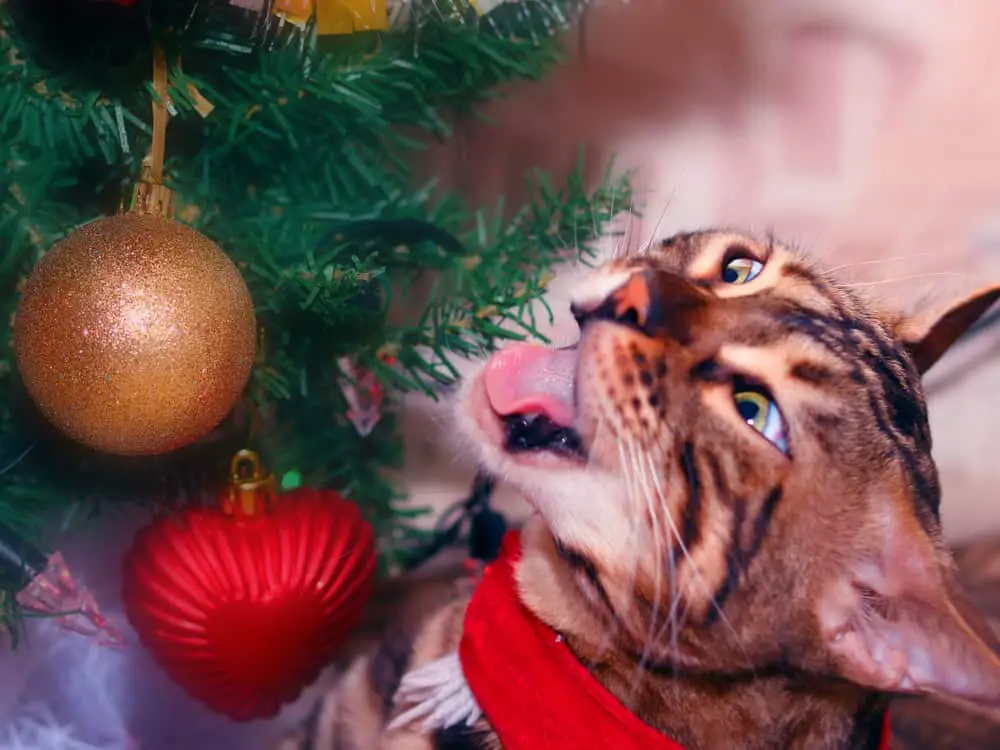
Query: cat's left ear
[[928, 336], [897, 621]]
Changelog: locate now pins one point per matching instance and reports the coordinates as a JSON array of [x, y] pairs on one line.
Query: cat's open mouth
[[536, 432], [532, 391]]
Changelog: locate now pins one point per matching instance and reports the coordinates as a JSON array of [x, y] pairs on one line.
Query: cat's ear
[[896, 621], [927, 336]]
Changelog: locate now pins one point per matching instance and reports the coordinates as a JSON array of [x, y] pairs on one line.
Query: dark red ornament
[[243, 605]]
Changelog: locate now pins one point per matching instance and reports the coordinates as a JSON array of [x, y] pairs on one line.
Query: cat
[[735, 523]]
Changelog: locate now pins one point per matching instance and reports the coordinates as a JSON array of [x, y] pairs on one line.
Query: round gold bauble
[[135, 335]]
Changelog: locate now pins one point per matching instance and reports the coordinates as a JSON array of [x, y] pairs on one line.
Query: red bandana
[[535, 693]]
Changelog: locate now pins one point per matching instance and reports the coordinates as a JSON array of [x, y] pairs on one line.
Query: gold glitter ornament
[[136, 334]]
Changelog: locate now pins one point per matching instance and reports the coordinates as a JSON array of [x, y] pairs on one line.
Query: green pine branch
[[355, 87], [300, 173]]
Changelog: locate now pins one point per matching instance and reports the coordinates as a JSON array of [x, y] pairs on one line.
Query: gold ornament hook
[[251, 489], [150, 195]]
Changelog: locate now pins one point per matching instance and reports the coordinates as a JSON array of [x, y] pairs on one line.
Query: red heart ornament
[[244, 612]]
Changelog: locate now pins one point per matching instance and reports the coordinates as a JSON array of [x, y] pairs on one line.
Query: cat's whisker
[[647, 247], [629, 247], [657, 533], [879, 261], [654, 633], [657, 486], [628, 465], [606, 643], [620, 249], [675, 597], [913, 277], [626, 461], [701, 582], [599, 435], [637, 484], [610, 231]]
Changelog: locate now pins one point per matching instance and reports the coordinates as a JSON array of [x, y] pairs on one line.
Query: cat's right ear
[[896, 621], [927, 336]]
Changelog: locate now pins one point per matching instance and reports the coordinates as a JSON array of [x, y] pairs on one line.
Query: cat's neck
[[761, 712], [756, 711]]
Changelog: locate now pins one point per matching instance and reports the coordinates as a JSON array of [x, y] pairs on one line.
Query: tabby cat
[[736, 526]]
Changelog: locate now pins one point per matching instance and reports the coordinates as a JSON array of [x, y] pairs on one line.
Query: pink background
[[866, 131], [863, 131]]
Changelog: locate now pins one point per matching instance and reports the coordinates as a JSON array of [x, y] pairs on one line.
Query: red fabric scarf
[[535, 693]]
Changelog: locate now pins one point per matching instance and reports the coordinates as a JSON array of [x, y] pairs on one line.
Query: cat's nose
[[652, 301]]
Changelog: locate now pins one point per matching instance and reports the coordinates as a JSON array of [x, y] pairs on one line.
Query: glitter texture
[[135, 335]]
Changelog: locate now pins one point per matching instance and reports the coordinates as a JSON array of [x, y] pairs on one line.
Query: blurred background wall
[[867, 132]]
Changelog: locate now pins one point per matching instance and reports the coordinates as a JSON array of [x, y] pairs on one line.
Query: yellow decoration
[[136, 334], [348, 16], [297, 12]]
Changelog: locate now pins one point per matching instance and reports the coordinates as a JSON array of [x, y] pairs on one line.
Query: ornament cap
[[251, 490], [149, 197]]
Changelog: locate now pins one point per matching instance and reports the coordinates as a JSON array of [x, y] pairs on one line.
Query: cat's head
[[734, 464]]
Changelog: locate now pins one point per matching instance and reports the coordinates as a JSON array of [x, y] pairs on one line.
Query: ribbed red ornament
[[244, 612]]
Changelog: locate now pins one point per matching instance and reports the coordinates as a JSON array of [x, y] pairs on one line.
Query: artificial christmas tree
[[291, 126]]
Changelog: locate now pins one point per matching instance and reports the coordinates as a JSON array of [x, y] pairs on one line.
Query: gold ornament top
[[152, 198], [251, 490]]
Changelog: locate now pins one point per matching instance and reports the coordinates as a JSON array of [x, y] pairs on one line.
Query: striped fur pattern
[[749, 553]]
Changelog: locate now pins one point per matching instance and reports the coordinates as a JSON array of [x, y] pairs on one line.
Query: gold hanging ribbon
[[150, 195]]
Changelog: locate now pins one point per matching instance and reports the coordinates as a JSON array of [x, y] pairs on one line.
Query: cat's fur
[[730, 593]]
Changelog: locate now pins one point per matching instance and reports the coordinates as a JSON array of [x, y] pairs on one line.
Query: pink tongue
[[524, 378]]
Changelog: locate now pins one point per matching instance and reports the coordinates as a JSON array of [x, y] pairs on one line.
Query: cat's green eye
[[741, 270], [760, 412]]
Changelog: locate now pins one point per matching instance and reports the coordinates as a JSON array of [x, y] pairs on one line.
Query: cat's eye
[[741, 270], [759, 411]]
